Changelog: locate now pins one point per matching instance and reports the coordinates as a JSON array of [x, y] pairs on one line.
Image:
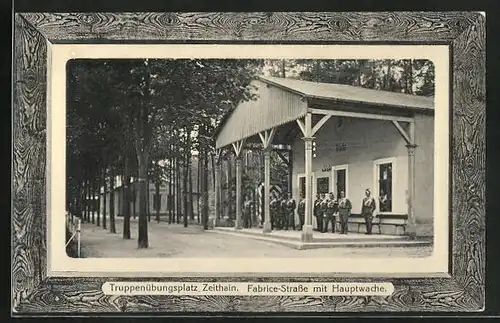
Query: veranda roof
[[281, 100]]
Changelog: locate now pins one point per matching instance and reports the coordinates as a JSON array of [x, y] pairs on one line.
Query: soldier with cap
[[247, 212], [301, 210], [282, 211], [332, 207], [274, 209], [345, 207], [322, 210], [290, 212], [367, 208], [317, 213]]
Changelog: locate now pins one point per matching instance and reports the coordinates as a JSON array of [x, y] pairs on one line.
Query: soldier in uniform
[[274, 209], [282, 211], [330, 211], [317, 213], [289, 218], [367, 209], [247, 212], [345, 207], [301, 210], [322, 210]]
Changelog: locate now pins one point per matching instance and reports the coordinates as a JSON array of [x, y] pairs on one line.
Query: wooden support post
[[238, 148], [307, 232], [267, 139], [290, 171], [411, 226], [409, 138], [267, 188]]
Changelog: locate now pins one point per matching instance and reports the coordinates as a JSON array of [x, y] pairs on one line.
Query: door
[[340, 180]]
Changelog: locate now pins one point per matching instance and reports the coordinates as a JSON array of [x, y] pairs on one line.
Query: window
[[302, 186], [322, 185], [340, 180], [384, 170]]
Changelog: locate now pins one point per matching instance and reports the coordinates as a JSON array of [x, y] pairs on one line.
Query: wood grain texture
[[85, 295], [464, 291], [469, 158], [279, 26], [29, 147]]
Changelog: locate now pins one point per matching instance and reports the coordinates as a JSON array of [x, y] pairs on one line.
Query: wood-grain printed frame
[[462, 290]]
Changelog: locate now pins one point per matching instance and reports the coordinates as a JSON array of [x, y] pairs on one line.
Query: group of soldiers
[[283, 212], [327, 209]]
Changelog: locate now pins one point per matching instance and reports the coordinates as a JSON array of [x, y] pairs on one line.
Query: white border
[[59, 264]]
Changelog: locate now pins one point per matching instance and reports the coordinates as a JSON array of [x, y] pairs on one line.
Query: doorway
[[340, 180]]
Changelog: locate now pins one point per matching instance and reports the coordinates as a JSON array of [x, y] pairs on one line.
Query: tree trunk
[[317, 71], [104, 188], [174, 190], [388, 84], [148, 199], [410, 76], [142, 240], [112, 226], [126, 198], [178, 190], [79, 202], [212, 159], [158, 202], [202, 188], [360, 70], [216, 194], [198, 185], [120, 197], [98, 191], [91, 201], [190, 193], [134, 197], [188, 189], [205, 189], [185, 192], [83, 194]]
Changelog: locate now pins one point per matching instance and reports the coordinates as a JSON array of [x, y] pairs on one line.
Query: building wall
[[424, 170], [367, 141]]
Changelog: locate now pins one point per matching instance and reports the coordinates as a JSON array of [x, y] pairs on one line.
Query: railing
[[75, 227]]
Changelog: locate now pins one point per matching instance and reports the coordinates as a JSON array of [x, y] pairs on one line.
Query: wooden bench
[[396, 220]]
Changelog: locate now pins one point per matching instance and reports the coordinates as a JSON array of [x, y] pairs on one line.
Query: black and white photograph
[[210, 158], [293, 162]]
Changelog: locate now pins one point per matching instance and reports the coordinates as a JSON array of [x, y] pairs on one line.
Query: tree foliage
[[142, 115]]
